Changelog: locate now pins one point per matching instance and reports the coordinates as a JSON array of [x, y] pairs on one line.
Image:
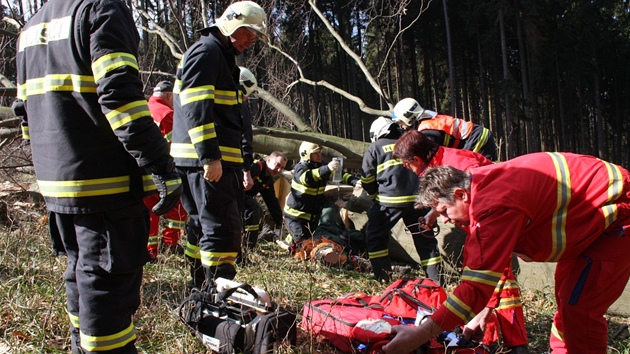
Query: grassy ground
[[32, 299]]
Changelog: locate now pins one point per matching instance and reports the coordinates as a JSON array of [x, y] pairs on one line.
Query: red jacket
[[162, 115], [460, 159], [546, 207]]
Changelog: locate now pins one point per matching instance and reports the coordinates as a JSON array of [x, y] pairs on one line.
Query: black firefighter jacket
[[207, 123], [89, 124], [385, 179]]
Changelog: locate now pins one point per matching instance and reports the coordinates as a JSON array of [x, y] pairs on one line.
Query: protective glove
[[170, 188], [277, 234], [333, 165], [357, 183], [167, 182]]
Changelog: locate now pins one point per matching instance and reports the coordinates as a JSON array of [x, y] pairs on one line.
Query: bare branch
[[283, 108], [10, 133], [331, 87], [172, 43], [351, 97], [423, 8], [351, 53], [161, 73], [11, 122]]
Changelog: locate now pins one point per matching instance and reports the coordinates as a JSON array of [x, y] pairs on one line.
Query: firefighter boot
[[382, 268]]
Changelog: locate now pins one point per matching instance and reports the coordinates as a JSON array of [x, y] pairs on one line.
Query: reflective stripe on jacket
[[207, 122], [88, 120], [385, 179]]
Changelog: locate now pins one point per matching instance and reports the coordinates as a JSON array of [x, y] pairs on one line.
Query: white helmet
[[407, 111], [247, 81], [307, 148], [380, 128], [243, 14]]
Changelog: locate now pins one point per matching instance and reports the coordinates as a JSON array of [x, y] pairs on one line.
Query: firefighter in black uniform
[[394, 190], [206, 144], [94, 143], [263, 173], [306, 200]]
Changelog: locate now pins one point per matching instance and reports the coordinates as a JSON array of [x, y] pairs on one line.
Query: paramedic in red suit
[[419, 153], [547, 207], [161, 107]]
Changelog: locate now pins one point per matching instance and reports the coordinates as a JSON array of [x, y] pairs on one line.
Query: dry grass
[[32, 300]]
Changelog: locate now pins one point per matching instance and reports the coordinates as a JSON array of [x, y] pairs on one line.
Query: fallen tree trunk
[[267, 140]]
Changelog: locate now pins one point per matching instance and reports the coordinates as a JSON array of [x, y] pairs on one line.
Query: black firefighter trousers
[[214, 226], [106, 252], [381, 219]]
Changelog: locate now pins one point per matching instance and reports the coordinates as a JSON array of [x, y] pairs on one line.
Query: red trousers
[[585, 289], [508, 308], [176, 221]]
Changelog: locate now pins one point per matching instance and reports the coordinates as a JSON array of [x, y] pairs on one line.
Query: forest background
[[544, 75]]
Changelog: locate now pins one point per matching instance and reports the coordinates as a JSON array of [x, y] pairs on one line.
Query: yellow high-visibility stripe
[[195, 94], [112, 61], [316, 175], [192, 251], [231, 154], [615, 190], [74, 320], [175, 224], [366, 180], [147, 184], [297, 213], [307, 190], [482, 140], [215, 259], [187, 151], [447, 140], [127, 113], [56, 83], [249, 228], [558, 334], [378, 254], [509, 303], [153, 240], [403, 199], [387, 164], [563, 198], [487, 277], [431, 261], [113, 341], [459, 308], [25, 133], [84, 188], [228, 98], [201, 133]]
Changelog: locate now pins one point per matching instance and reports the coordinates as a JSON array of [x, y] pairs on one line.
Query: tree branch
[[283, 108], [357, 59], [331, 87], [172, 43]]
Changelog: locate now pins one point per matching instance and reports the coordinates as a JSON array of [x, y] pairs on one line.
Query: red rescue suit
[[549, 207], [506, 299], [176, 218]]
